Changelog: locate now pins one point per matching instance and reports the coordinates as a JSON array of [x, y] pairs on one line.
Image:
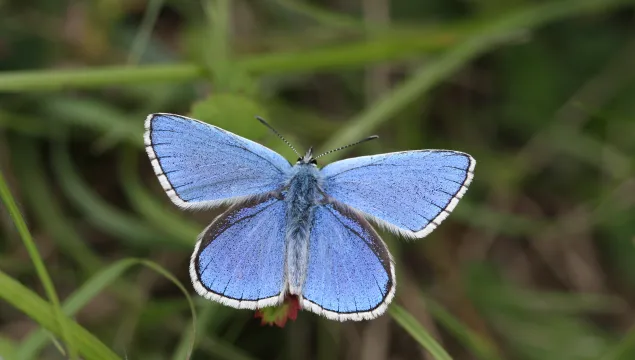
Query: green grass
[[418, 332], [40, 270], [44, 314], [535, 263]]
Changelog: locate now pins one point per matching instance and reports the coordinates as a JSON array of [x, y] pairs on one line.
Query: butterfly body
[[302, 194], [297, 229]]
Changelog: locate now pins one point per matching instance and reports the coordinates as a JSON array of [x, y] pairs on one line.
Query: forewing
[[409, 192], [239, 259], [201, 166], [350, 274]]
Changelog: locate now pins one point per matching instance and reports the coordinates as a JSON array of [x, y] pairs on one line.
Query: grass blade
[[7, 348], [29, 168], [95, 285], [179, 228], [479, 346], [30, 346], [144, 34], [624, 349], [40, 269], [422, 81], [392, 46], [326, 17], [408, 323], [100, 213], [43, 313], [158, 268]]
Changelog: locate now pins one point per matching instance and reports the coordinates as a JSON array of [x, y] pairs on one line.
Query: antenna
[[372, 137], [277, 133]]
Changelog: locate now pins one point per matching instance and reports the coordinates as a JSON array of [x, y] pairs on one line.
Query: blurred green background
[[536, 262]]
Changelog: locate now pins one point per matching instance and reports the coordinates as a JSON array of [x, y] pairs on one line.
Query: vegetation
[[537, 262]]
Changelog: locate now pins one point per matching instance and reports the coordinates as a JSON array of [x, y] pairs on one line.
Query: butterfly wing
[[239, 259], [201, 166], [410, 192], [350, 274]]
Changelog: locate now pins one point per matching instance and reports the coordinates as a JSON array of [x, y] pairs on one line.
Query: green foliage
[[44, 314], [535, 263], [232, 112], [40, 269], [420, 334]]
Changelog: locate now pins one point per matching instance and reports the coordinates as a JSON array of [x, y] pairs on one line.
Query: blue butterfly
[[297, 229]]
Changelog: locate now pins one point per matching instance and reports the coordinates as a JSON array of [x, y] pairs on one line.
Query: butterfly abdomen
[[301, 197]]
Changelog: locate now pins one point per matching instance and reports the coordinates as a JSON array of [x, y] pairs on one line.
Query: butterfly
[[298, 229]]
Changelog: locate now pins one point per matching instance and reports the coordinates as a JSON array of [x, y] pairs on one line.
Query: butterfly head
[[307, 158]]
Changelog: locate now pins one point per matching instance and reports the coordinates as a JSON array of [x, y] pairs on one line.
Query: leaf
[[43, 313], [418, 332], [40, 268], [91, 288], [232, 112]]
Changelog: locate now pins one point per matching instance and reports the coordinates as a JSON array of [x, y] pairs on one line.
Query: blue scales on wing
[[350, 275], [408, 192], [239, 259], [201, 166]]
